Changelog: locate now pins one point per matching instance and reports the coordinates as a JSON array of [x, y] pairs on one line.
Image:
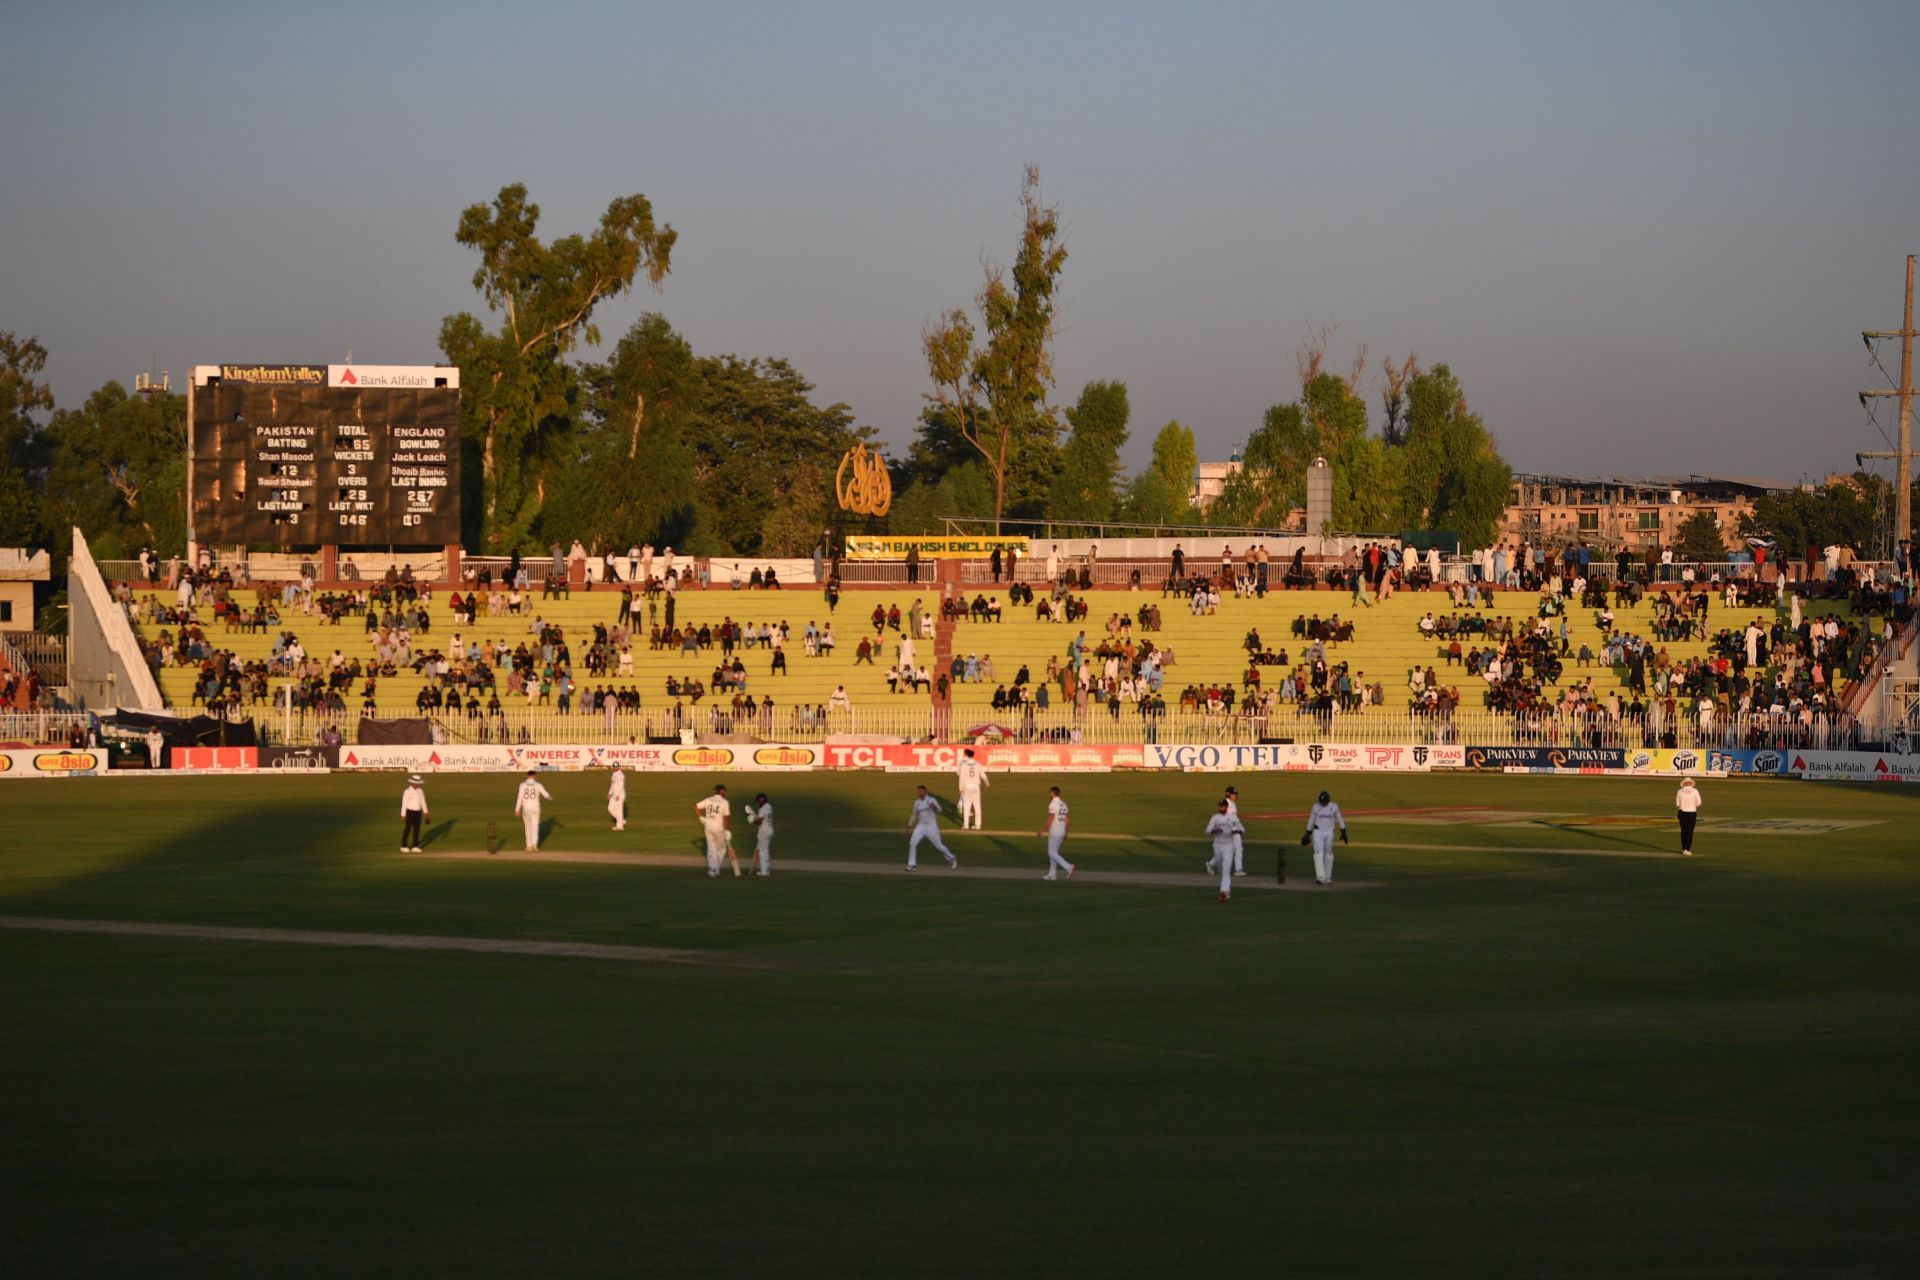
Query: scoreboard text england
[[298, 455]]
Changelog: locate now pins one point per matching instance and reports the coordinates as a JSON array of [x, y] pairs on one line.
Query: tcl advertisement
[[1013, 757]]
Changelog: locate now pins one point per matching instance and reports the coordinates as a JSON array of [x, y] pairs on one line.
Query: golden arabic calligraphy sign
[[868, 491]]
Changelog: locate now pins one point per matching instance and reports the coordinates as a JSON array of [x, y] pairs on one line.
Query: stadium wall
[[104, 666]]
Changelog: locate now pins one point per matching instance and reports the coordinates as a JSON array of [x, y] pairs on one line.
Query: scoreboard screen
[[306, 455]]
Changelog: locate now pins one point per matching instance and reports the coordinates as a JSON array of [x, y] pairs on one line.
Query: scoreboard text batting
[[309, 454]]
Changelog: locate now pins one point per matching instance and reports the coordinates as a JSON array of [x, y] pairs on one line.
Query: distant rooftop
[[1692, 481], [17, 564]]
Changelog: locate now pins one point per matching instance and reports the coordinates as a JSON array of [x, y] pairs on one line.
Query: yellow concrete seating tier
[[808, 680], [1386, 643], [1208, 648]]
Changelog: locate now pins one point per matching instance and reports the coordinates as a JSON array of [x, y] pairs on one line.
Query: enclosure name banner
[[869, 548]]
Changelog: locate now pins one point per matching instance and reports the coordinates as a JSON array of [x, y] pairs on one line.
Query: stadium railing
[[39, 728], [1377, 725]]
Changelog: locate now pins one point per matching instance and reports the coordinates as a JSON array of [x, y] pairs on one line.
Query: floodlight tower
[[1903, 450]]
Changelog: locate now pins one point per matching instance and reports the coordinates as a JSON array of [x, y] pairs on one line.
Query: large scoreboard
[[307, 455]]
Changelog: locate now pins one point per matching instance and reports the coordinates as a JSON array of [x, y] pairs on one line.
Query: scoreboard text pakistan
[[294, 455]]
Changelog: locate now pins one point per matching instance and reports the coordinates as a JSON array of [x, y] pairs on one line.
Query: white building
[[1210, 481]]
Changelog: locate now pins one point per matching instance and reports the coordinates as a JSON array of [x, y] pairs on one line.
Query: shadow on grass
[[1597, 833]]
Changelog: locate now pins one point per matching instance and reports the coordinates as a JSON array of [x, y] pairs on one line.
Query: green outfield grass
[[1535, 1044]]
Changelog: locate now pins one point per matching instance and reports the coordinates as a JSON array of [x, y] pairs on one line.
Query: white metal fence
[[1096, 724]]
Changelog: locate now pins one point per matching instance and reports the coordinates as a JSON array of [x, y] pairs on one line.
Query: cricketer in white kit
[[924, 824], [716, 823], [760, 814], [1055, 831], [526, 803], [971, 776], [1226, 831], [1321, 821], [617, 798], [1239, 842]]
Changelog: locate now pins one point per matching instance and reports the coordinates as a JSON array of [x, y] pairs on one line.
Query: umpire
[[1687, 804], [413, 811]]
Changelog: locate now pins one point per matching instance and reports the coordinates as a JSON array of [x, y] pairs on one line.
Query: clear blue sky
[[1646, 238]]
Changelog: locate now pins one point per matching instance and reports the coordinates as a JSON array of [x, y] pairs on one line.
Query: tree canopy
[[1853, 511], [994, 396], [22, 450], [515, 384], [1453, 477], [117, 468], [1435, 466], [730, 453], [1699, 538], [1083, 487]]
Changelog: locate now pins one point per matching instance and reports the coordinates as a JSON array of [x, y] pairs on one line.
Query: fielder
[[1226, 831], [760, 814], [413, 812], [972, 776], [1687, 804], [617, 798], [1321, 820], [1055, 831], [1232, 801], [924, 824], [716, 823], [527, 804]]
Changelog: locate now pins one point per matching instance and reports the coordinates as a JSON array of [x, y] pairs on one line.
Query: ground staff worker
[[1687, 803], [413, 812]]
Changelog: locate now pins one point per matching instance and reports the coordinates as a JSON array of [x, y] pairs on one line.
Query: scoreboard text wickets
[[307, 455]]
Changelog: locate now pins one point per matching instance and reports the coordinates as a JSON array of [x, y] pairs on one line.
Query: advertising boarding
[[51, 762], [574, 757]]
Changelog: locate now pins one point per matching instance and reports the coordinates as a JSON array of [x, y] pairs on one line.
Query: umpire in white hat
[[413, 812]]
